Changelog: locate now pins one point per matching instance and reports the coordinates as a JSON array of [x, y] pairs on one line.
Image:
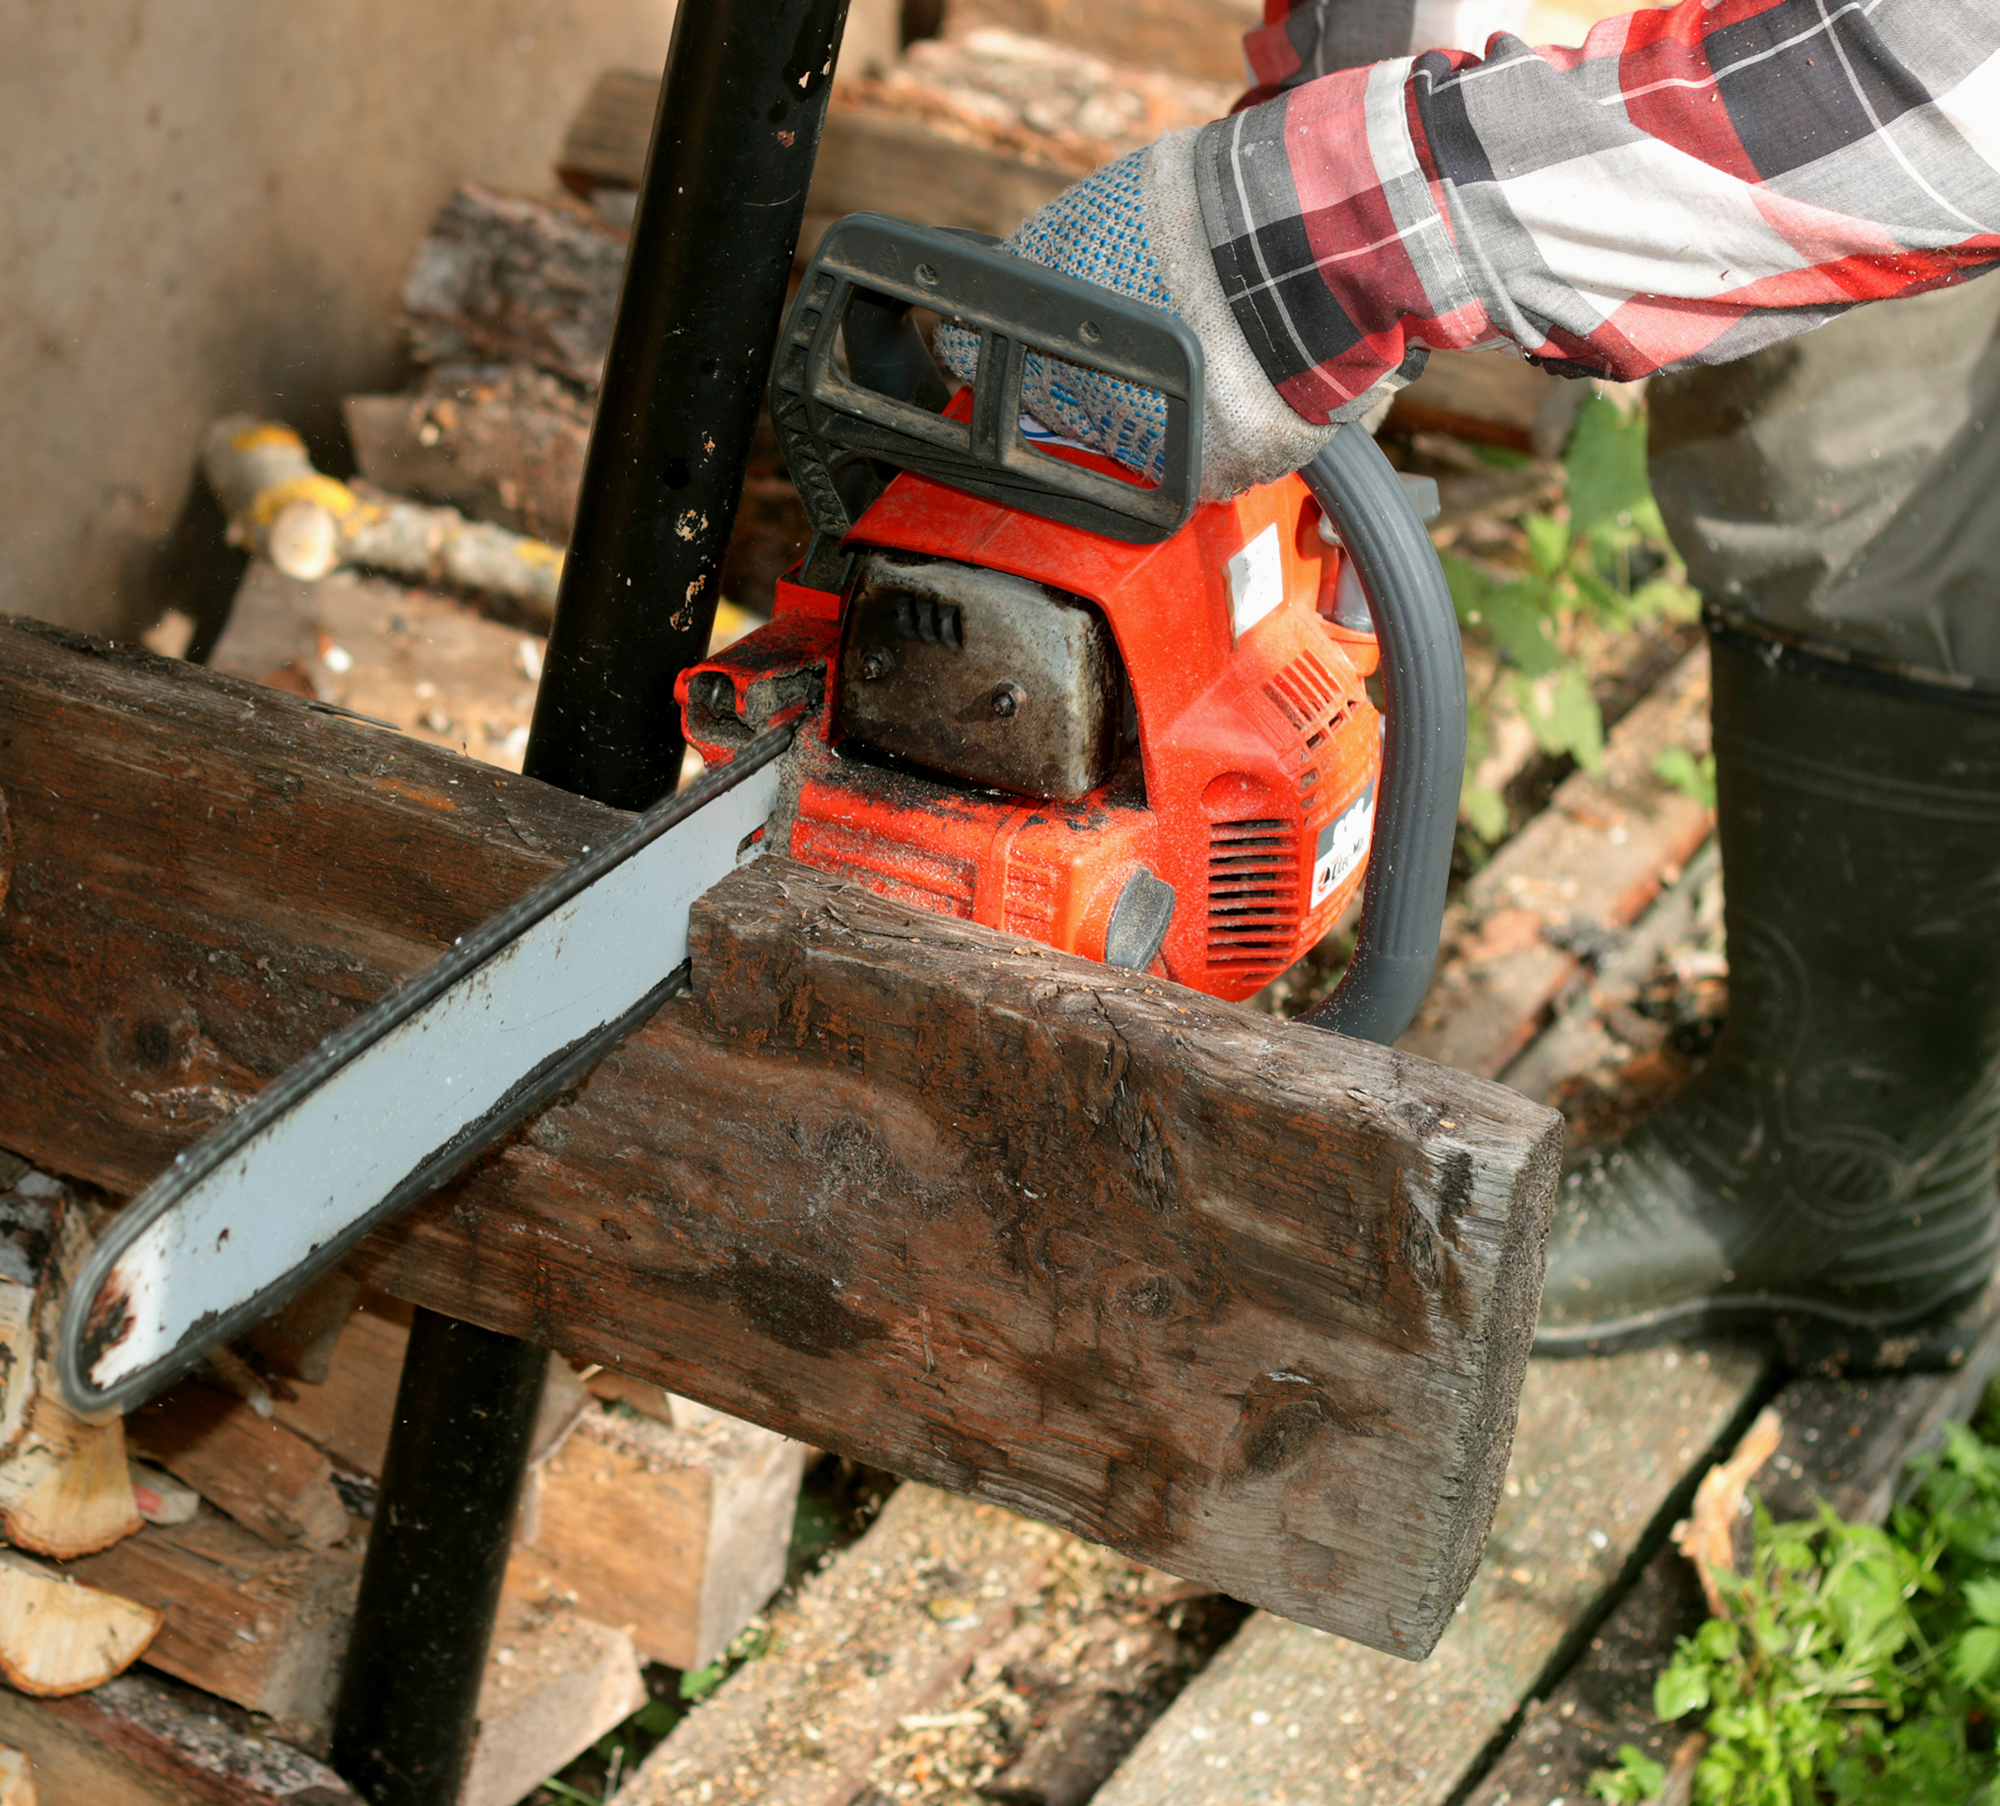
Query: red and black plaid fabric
[[1695, 182]]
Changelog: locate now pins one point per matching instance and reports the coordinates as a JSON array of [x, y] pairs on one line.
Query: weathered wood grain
[[263, 1627], [1247, 1302]]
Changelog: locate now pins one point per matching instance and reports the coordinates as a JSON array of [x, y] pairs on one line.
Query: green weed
[[1601, 564], [1853, 1666]]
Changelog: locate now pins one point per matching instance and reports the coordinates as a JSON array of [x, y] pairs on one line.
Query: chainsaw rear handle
[[1423, 740]]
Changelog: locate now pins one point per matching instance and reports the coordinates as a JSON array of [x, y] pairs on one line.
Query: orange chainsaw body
[[1248, 786]]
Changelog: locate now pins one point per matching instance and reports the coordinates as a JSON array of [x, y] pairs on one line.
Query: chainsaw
[[1011, 680]]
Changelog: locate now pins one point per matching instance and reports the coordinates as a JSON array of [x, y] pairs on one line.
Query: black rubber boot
[[1829, 1175]]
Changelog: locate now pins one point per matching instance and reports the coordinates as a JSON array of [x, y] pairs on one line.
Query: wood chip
[[1704, 1537]]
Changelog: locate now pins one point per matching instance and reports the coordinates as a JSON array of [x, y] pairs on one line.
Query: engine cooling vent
[[1253, 896], [1306, 694]]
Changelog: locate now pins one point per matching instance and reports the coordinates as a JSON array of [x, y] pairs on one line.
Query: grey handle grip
[[1423, 750]]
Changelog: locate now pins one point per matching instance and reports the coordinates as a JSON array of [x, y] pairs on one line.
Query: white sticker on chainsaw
[[1343, 844], [1256, 581]]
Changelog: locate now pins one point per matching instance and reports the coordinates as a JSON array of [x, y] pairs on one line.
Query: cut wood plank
[[1599, 1457], [17, 1780], [681, 1533], [880, 162], [261, 1626], [269, 1480], [1242, 1301], [349, 1414], [879, 1634], [870, 158], [679, 1530], [430, 665], [504, 446], [57, 1637], [143, 1741], [1845, 1443], [1589, 863], [555, 1683], [296, 1342]]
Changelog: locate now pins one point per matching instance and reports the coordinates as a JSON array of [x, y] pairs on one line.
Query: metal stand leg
[[409, 1694], [724, 195]]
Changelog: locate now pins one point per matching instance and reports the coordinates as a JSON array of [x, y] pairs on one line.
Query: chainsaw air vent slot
[[1253, 894], [1309, 697], [980, 676], [927, 619]]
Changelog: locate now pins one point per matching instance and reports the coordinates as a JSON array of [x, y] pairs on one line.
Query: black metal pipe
[[458, 1454], [712, 246], [720, 208]]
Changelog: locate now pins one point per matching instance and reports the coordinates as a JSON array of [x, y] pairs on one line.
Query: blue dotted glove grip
[[1095, 231]]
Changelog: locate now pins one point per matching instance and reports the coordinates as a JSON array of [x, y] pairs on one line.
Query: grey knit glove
[[1135, 227]]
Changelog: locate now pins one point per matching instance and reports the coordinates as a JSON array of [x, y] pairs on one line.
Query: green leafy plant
[[1853, 1666], [1600, 563], [1689, 775]]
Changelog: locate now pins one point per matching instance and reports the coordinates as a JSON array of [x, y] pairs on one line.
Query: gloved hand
[[1135, 227]]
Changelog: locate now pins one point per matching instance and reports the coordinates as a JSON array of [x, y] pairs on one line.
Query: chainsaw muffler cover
[[979, 675]]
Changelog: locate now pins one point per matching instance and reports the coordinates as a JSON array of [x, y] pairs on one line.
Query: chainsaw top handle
[[838, 427]]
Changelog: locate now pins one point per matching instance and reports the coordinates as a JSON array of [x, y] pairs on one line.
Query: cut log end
[[58, 1638]]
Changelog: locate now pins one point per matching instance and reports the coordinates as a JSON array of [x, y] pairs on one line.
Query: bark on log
[[143, 1741], [1246, 1302], [502, 279]]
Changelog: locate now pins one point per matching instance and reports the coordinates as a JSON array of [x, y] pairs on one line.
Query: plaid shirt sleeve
[[1695, 182], [1303, 39]]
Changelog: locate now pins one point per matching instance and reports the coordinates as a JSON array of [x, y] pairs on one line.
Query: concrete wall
[[209, 204]]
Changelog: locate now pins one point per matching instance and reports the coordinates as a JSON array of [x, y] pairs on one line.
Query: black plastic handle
[[835, 425], [1423, 741]]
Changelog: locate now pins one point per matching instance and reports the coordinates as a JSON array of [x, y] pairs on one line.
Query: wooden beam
[[1249, 1303]]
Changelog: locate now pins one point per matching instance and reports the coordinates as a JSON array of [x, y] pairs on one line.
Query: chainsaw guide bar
[[400, 1100]]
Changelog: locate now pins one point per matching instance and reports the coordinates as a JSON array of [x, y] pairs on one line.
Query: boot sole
[[1807, 1337]]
